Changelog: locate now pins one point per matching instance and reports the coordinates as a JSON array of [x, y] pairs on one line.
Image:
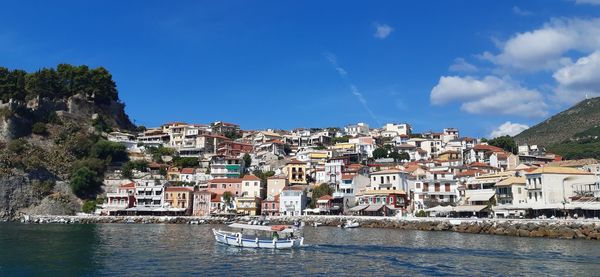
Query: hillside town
[[220, 169]]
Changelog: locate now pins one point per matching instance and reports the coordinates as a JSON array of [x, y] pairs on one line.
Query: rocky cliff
[[50, 121]]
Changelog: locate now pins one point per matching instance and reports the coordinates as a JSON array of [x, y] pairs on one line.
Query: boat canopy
[[258, 228]]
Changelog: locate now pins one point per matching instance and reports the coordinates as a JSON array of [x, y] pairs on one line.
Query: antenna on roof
[[586, 96]]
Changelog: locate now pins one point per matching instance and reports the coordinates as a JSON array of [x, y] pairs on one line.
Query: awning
[[439, 209], [482, 196], [390, 207], [473, 208], [322, 201], [358, 208], [374, 208]]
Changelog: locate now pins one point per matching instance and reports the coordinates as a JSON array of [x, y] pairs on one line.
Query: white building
[[392, 130], [389, 180], [359, 129], [149, 194], [292, 202], [252, 187], [552, 187]]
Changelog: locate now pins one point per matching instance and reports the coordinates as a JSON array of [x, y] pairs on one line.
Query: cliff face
[[49, 121], [15, 194]]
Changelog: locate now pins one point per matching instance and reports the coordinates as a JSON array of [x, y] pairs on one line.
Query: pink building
[[270, 206], [220, 186]]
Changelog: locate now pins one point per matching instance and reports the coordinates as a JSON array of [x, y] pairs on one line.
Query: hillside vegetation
[[52, 152], [563, 126]]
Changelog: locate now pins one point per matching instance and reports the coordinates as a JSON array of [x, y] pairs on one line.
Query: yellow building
[[179, 198], [248, 205], [449, 155], [296, 172]]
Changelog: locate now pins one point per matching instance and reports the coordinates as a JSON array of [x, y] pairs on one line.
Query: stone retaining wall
[[565, 229]]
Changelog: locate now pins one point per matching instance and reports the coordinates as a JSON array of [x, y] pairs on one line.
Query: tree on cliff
[[380, 153], [247, 160], [318, 191], [505, 142]]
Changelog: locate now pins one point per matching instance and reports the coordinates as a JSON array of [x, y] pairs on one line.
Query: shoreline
[[549, 228]]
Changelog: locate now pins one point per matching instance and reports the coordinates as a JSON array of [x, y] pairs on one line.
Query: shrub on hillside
[[39, 128]]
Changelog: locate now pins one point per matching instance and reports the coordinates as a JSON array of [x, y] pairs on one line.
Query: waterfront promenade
[[551, 228]]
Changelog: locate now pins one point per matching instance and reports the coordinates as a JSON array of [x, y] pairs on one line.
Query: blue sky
[[486, 67]]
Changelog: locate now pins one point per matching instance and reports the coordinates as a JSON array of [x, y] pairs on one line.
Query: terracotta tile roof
[[167, 189], [389, 171], [479, 164], [215, 197], [295, 161], [187, 170], [250, 178], [486, 147], [470, 172], [348, 176], [127, 185], [325, 197]]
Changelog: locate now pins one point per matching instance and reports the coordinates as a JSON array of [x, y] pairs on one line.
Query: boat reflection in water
[[238, 239]]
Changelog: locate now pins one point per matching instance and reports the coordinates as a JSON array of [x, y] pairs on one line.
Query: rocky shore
[[564, 229]]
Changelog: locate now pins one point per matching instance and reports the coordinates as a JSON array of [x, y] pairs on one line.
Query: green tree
[[227, 197], [404, 156], [318, 191], [39, 128], [127, 170], [505, 142], [247, 160], [85, 182], [343, 139], [394, 155], [89, 206], [109, 151], [182, 162], [380, 153]]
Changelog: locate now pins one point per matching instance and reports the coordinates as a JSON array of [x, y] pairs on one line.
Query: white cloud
[[544, 48], [518, 11], [588, 2], [461, 65], [515, 101], [490, 95], [382, 31], [579, 79], [456, 88], [508, 128]]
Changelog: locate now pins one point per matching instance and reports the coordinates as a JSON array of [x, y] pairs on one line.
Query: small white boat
[[350, 224], [238, 239], [317, 224]]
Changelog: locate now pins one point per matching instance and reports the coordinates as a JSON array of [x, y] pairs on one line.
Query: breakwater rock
[[564, 229]]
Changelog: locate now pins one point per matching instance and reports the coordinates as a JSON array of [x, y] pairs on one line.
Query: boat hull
[[233, 239]]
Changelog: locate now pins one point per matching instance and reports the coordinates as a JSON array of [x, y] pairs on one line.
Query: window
[[381, 179], [394, 177], [418, 185], [519, 190]]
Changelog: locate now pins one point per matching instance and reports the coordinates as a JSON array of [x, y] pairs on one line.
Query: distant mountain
[[577, 121]]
